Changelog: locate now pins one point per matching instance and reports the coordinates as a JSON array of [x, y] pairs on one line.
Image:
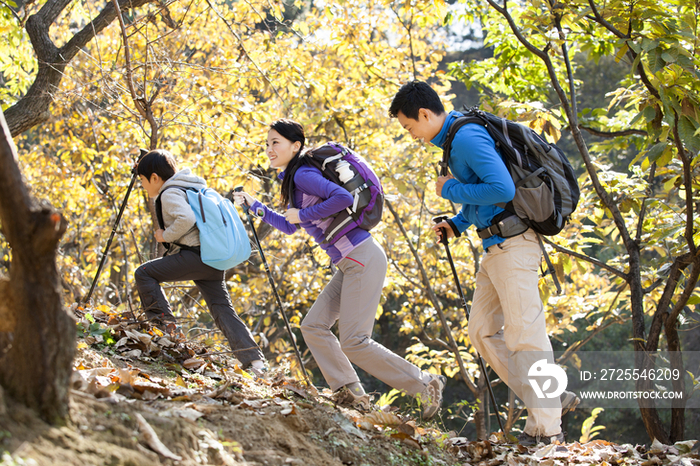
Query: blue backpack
[[223, 238]]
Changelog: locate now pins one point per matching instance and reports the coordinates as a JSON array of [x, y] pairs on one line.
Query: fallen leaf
[[379, 418], [140, 337], [142, 385], [135, 354], [193, 363], [153, 441], [253, 404], [298, 390], [289, 410]]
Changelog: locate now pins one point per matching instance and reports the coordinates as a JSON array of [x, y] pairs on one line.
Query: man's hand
[[292, 216], [441, 182], [159, 236], [441, 227]]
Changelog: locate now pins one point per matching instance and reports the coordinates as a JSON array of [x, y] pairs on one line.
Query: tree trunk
[[481, 418], [37, 337]]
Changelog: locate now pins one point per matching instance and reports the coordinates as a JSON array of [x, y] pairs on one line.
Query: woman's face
[[280, 150]]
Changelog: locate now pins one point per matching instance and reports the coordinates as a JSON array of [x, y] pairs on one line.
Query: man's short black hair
[[412, 97], [158, 161]]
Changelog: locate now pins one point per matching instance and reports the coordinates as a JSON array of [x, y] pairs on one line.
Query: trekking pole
[[482, 366], [274, 288], [134, 175]]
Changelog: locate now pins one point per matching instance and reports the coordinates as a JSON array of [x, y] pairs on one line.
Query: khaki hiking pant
[[507, 325], [351, 298]]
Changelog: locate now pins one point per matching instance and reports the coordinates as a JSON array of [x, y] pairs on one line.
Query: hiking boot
[[431, 398], [344, 397], [258, 371], [530, 441], [569, 401]]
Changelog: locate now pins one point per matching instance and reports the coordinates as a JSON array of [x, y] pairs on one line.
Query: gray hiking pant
[[185, 266], [351, 298]]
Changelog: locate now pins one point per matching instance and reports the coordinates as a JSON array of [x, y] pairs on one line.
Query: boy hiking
[[352, 296], [507, 321], [182, 262]]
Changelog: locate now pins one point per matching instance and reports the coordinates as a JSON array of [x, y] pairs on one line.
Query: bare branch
[[433, 298], [240, 42], [603, 22], [614, 134], [33, 108], [593, 261]]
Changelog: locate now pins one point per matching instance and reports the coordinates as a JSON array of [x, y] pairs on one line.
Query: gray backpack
[[546, 190]]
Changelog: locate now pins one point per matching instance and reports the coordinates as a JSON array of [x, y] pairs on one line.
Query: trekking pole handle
[[239, 189], [443, 231]]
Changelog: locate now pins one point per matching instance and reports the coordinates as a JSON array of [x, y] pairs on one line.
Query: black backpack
[[546, 190]]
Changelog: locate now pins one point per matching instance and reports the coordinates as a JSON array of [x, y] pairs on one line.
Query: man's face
[[425, 128]]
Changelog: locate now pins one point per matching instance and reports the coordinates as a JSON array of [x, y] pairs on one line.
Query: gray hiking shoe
[[431, 398], [344, 397], [569, 401], [258, 372], [531, 441]]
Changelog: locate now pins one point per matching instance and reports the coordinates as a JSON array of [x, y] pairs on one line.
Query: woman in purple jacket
[[352, 296]]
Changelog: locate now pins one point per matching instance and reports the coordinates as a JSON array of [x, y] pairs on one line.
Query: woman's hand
[[159, 236], [292, 216], [244, 199]]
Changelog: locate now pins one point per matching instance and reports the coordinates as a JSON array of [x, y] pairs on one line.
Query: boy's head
[[154, 169], [419, 110]]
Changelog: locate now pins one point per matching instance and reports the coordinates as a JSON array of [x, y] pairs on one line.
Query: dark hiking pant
[[185, 266]]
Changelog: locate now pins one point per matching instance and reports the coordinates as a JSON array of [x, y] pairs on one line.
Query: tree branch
[[614, 134], [240, 42], [593, 261], [431, 295], [33, 108], [688, 183]]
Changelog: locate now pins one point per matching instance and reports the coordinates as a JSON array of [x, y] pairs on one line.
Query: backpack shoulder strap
[[159, 209], [159, 204], [451, 133]]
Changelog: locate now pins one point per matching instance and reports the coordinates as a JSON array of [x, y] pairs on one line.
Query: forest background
[[83, 88]]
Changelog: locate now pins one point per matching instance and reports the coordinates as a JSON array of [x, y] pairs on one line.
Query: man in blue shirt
[[507, 321]]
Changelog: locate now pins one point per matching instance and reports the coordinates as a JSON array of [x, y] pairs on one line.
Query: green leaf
[[634, 46], [656, 150], [649, 113], [687, 130], [656, 62]]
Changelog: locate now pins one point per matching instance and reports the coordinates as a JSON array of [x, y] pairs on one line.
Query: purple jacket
[[319, 198]]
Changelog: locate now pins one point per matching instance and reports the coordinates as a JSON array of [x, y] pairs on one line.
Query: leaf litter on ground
[[187, 405]]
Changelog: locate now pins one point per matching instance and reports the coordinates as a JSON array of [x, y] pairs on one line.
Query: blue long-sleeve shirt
[[319, 198], [481, 177]]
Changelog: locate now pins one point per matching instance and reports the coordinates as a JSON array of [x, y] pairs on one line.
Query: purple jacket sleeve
[[273, 218], [310, 181]]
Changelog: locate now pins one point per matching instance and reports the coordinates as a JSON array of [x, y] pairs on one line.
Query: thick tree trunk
[[647, 407], [37, 337]]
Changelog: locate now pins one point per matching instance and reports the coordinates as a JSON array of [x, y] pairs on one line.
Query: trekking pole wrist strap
[[454, 227]]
